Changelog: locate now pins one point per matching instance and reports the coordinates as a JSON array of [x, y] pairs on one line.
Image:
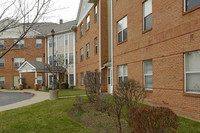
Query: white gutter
[[100, 42]]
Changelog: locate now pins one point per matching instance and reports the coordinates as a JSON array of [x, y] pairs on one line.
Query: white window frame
[[88, 22], [82, 78], [88, 50], [123, 75], [123, 28], [38, 43], [39, 59], [81, 51], [2, 77], [81, 30], [2, 44], [95, 13], [20, 44], [143, 6], [21, 61], [148, 75], [3, 60], [71, 78], [185, 5], [71, 58], [39, 79], [185, 77], [96, 46]]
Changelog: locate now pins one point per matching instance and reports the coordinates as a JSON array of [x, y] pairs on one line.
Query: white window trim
[[88, 50], [81, 51], [4, 80], [122, 29], [148, 75], [123, 75], [81, 30], [143, 6], [185, 79], [88, 22], [82, 78]]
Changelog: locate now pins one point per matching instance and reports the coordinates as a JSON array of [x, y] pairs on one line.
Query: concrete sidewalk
[[38, 97]]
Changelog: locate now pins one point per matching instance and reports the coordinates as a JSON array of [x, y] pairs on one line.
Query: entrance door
[[108, 81], [16, 81]]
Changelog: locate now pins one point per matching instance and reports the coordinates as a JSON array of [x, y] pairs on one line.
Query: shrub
[[92, 85], [154, 120], [78, 102], [102, 103], [65, 85]]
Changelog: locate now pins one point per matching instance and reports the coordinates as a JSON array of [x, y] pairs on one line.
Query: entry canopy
[[36, 66]]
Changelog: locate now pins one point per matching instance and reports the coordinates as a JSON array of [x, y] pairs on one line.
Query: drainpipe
[[100, 43]]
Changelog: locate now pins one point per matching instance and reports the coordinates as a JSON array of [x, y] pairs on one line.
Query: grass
[[71, 92], [45, 117]]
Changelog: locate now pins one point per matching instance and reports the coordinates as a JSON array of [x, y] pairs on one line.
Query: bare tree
[[23, 14]]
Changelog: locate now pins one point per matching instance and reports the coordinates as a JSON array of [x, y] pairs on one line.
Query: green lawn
[[71, 92]]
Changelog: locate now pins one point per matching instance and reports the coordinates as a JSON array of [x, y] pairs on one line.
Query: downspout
[[112, 68], [74, 59], [46, 56], [100, 44]]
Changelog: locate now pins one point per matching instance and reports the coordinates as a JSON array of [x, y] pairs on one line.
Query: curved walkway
[[31, 97]]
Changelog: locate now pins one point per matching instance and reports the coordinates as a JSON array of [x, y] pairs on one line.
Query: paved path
[[31, 97]]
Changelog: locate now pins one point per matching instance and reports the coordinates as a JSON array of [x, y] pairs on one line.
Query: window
[[77, 79], [88, 50], [20, 44], [71, 79], [82, 79], [18, 61], [2, 81], [88, 23], [50, 60], [1, 44], [66, 58], [2, 62], [147, 15], [148, 74], [95, 46], [39, 59], [39, 80], [60, 59], [81, 30], [38, 43], [71, 58], [71, 39], [76, 57], [81, 54], [95, 13], [192, 72], [189, 4], [60, 41], [50, 43], [122, 30], [122, 74], [66, 39]]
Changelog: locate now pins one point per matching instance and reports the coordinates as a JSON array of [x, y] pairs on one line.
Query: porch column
[[36, 86], [20, 81]]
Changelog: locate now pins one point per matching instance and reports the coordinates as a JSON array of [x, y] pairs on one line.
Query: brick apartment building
[[93, 47], [158, 43], [31, 48]]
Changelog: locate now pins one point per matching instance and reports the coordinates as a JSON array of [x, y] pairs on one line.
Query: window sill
[[149, 90], [189, 94], [191, 10], [121, 42], [147, 31]]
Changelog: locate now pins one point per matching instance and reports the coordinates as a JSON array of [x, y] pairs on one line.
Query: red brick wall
[[30, 52], [171, 36]]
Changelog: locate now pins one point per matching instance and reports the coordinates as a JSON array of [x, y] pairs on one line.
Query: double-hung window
[[71, 79], [2, 61], [20, 44], [18, 61], [1, 44], [190, 4], [38, 43], [192, 72], [82, 78], [88, 50], [88, 23], [81, 30], [148, 74], [39, 59], [122, 30], [71, 58], [60, 59], [39, 80], [95, 46], [95, 13], [2, 81], [81, 54], [122, 74], [147, 15]]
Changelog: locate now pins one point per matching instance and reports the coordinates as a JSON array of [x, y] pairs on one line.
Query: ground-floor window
[[148, 74], [122, 74], [39, 80], [71, 79], [192, 72], [2, 81], [82, 78]]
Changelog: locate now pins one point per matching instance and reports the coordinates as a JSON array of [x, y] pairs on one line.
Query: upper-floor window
[[1, 44], [192, 72], [76, 57], [147, 15], [148, 74], [88, 50], [2, 81], [50, 43], [122, 73], [39, 59], [122, 30], [2, 61], [60, 59], [81, 54], [96, 45], [71, 39], [189, 4], [20, 44], [81, 30], [18, 61], [38, 43], [88, 23], [71, 58], [50, 60], [95, 13]]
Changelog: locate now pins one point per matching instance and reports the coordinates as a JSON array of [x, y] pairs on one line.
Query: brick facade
[[173, 33]]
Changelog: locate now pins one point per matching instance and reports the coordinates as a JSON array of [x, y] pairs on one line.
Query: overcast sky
[[64, 9]]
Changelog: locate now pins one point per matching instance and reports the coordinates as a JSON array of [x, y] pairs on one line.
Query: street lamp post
[[12, 73], [53, 63], [44, 71]]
